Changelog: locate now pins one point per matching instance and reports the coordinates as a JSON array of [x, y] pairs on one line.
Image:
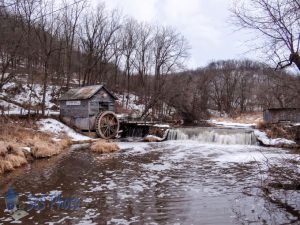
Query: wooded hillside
[[72, 44]]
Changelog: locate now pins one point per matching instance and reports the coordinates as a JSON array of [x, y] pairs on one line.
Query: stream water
[[173, 182]]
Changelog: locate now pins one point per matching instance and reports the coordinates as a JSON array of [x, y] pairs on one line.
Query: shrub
[[5, 166], [16, 160], [65, 143], [261, 125], [104, 147]]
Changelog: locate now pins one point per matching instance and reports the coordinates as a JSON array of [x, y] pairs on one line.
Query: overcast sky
[[204, 24]]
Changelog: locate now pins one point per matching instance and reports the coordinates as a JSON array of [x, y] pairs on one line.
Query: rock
[[152, 138]]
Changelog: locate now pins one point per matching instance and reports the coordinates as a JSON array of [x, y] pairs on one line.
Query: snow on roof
[[83, 93]]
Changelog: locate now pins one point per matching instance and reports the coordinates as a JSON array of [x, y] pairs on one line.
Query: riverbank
[[22, 141]]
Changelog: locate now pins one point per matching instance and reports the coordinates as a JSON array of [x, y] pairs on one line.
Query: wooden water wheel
[[107, 125]]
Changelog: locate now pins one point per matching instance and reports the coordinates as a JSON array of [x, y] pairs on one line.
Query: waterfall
[[226, 136]]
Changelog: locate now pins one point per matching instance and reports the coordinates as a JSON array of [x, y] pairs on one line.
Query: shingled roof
[[83, 93]]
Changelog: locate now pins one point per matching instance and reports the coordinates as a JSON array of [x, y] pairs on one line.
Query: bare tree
[[170, 50], [278, 22], [97, 38], [47, 32], [10, 42], [128, 48], [27, 9], [143, 55], [70, 20]]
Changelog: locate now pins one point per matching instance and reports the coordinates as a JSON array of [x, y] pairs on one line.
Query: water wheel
[[107, 125]]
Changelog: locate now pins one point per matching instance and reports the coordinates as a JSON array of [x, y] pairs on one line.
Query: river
[[172, 182]]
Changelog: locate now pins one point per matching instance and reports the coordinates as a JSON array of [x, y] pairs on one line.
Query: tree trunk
[[295, 58], [45, 88]]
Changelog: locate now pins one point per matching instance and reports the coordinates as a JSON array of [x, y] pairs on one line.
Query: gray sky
[[204, 23]]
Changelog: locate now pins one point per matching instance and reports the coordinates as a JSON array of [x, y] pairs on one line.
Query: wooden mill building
[[277, 115], [80, 107]]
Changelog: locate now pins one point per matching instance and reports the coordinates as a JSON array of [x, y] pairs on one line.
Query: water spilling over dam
[[227, 136]]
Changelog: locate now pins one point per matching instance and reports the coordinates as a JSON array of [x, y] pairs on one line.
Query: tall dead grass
[[11, 156], [5, 166], [16, 160], [261, 125], [15, 134], [104, 147], [3, 149], [65, 142], [43, 147], [249, 117], [276, 130]]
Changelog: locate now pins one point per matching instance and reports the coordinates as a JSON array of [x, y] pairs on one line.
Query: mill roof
[[83, 93]]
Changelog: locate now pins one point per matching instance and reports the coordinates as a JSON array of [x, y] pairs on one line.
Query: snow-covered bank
[[58, 129], [263, 138], [231, 124]]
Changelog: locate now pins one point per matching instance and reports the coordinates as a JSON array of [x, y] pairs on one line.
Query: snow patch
[[133, 103], [262, 136], [162, 125], [58, 128], [232, 125]]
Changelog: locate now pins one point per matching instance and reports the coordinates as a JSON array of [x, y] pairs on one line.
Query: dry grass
[[11, 156], [44, 148], [104, 147], [65, 143], [276, 130], [250, 118], [23, 133], [16, 160], [261, 125], [18, 152], [3, 148], [5, 166]]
